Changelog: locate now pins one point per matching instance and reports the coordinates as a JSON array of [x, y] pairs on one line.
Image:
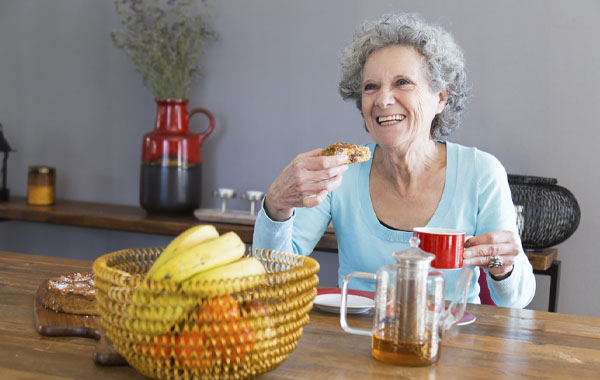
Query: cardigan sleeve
[[299, 234], [496, 212]]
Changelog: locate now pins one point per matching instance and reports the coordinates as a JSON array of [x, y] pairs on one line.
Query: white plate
[[331, 303], [467, 319]]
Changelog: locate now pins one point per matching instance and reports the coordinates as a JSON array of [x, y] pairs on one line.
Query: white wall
[[70, 99]]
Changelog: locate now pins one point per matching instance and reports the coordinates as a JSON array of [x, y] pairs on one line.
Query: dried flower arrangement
[[165, 42]]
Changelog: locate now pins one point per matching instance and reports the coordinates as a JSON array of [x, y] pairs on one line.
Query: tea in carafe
[[407, 353]]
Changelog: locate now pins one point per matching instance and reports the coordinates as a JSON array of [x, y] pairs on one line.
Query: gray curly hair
[[443, 57]]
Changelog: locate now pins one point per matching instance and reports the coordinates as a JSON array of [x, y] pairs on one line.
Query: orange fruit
[[189, 348], [158, 346], [216, 333]]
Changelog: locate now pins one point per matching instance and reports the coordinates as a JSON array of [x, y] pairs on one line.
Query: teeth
[[391, 118]]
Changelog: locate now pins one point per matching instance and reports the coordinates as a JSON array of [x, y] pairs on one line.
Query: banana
[[248, 266], [187, 239], [201, 257]]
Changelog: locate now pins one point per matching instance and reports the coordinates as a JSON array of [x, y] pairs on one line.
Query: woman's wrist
[[502, 276], [277, 215]]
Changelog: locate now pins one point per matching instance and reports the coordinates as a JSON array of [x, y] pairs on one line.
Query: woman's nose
[[384, 98]]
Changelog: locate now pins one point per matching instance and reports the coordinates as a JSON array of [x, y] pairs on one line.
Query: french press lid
[[413, 257]]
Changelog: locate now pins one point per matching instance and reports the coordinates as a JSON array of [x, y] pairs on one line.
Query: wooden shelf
[[123, 218], [136, 219], [542, 259]]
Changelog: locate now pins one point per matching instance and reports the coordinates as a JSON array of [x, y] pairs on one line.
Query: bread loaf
[[73, 293]]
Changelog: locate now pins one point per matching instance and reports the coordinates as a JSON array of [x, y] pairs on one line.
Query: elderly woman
[[408, 80]]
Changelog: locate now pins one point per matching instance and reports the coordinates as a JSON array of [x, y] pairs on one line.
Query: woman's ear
[[443, 99]]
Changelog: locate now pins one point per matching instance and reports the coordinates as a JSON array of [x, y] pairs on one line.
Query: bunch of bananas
[[215, 330], [200, 254]]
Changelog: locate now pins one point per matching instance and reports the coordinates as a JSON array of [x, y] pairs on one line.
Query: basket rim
[[303, 266]]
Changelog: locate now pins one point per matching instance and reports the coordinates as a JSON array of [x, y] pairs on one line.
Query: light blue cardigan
[[476, 199]]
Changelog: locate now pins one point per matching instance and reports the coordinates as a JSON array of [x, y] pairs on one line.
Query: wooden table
[[503, 343]]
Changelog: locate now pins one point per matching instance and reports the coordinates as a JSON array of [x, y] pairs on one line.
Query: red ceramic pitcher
[[171, 175]]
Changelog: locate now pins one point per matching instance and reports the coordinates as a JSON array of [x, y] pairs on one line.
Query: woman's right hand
[[305, 182]]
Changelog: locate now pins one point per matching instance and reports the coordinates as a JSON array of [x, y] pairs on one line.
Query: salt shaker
[[224, 194], [253, 197]]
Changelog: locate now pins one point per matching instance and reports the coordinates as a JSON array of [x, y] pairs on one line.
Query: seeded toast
[[355, 153]]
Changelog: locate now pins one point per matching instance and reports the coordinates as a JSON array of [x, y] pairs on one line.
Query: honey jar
[[41, 183]]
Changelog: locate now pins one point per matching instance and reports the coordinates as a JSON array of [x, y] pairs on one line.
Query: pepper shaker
[[224, 194]]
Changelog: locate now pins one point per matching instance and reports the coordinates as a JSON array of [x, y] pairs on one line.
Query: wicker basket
[[228, 329], [550, 212]]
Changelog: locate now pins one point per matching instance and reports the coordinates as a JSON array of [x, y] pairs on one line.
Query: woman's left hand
[[482, 249]]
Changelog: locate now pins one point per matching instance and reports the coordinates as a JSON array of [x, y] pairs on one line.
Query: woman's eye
[[402, 82], [369, 87]]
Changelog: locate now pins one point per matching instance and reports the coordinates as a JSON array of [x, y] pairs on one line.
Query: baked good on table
[[356, 153], [72, 293]]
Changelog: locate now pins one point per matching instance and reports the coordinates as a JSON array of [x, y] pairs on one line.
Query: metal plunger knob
[[253, 197], [224, 194]]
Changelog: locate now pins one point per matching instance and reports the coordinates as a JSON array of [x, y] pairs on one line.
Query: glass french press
[[410, 318]]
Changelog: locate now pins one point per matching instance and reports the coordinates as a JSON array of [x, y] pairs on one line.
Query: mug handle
[[344, 305]]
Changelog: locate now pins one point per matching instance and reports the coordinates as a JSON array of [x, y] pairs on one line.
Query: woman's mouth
[[388, 120]]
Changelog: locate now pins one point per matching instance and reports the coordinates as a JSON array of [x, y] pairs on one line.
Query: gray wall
[[70, 99]]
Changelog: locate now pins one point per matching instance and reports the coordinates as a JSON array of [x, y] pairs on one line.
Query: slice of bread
[[355, 153]]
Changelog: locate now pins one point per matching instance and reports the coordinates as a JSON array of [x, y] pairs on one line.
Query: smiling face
[[398, 104]]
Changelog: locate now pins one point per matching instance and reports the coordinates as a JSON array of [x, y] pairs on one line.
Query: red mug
[[446, 244]]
